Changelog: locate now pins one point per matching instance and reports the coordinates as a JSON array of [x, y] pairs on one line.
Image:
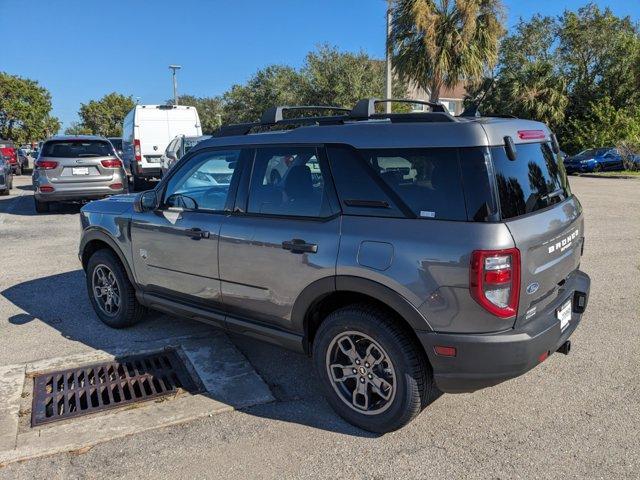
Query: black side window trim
[[388, 191]]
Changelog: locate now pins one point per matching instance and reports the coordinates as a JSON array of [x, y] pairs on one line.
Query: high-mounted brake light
[[494, 280], [111, 163], [531, 134], [46, 164], [136, 150]]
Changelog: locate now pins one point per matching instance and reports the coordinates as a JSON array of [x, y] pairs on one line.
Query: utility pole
[[175, 82], [387, 86]]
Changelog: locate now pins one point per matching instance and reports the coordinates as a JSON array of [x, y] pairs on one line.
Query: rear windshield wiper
[[556, 193]]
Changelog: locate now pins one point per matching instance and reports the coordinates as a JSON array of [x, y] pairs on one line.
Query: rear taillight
[[46, 189], [136, 150], [115, 186], [46, 164], [495, 280], [111, 163]]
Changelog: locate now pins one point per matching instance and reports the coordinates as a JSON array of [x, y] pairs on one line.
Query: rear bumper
[[71, 194], [146, 172], [483, 360]]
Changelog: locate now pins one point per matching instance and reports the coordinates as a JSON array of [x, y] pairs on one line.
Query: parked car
[[76, 168], [146, 132], [177, 148], [8, 149], [595, 160], [23, 159], [409, 261], [117, 145], [6, 176]]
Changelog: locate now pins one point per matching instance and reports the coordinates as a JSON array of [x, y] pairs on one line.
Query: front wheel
[[372, 372], [111, 293]]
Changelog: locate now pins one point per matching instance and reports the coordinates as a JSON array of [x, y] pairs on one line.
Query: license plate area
[[564, 314], [80, 170]]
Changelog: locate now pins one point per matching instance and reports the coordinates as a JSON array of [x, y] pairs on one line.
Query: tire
[[129, 311], [409, 386], [41, 207], [136, 184]]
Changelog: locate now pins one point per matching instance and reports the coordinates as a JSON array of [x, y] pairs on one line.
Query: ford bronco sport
[[404, 252]]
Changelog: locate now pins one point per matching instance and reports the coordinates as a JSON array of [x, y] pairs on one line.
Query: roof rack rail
[[276, 114], [366, 108]]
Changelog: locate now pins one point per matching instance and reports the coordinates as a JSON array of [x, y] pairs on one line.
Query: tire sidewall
[[104, 257], [398, 412]]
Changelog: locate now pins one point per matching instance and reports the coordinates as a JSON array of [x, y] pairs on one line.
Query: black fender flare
[[319, 289], [102, 236]]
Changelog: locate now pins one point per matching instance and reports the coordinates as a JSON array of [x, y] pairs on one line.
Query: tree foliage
[[105, 116], [439, 43], [25, 110], [567, 71], [209, 111]]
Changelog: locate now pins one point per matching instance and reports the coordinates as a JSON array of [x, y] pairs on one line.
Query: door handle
[[196, 233], [297, 245]]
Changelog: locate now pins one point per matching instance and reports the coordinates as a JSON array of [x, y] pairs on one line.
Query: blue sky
[[81, 50]]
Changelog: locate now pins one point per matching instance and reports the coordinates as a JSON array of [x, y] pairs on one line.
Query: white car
[[146, 133]]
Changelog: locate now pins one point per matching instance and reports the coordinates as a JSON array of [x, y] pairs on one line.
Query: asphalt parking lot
[[572, 417]]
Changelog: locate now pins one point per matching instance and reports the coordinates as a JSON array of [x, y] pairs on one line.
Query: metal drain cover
[[80, 391]]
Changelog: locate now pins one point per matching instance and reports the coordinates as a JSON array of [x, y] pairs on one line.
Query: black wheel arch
[[330, 293], [94, 240]]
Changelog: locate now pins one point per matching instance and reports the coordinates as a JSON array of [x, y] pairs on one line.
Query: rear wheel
[[41, 207], [373, 373], [112, 296]]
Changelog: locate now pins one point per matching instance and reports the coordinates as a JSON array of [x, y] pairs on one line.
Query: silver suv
[[76, 168], [403, 252]]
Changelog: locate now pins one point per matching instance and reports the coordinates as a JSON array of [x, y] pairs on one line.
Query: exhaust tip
[[565, 348]]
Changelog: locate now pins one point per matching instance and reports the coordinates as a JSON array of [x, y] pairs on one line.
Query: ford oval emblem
[[533, 288]]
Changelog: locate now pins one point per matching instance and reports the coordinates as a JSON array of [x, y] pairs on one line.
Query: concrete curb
[[594, 175], [228, 378]]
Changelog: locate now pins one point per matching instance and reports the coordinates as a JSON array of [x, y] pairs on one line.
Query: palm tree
[[439, 43]]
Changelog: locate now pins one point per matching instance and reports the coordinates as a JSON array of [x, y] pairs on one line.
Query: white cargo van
[[146, 132]]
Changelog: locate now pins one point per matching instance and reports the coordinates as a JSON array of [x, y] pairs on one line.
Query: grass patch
[[624, 173]]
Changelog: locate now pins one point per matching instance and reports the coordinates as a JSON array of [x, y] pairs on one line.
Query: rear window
[[534, 180], [430, 183], [77, 148]]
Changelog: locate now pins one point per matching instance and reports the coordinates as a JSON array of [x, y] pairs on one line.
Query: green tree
[[76, 128], [331, 77], [439, 43], [273, 85], [105, 116], [209, 110], [25, 109]]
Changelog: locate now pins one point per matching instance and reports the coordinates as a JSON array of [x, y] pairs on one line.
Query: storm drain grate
[[93, 388]]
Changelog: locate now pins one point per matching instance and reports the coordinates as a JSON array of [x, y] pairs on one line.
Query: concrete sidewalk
[[228, 380]]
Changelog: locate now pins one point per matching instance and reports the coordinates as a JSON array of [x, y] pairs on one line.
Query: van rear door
[[544, 219]]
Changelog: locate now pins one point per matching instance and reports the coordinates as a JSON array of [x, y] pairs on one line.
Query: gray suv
[[404, 252], [76, 168]]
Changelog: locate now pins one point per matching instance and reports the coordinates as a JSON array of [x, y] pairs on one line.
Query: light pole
[[387, 86], [175, 82]]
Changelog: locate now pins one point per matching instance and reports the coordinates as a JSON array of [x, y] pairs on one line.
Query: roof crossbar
[[276, 114], [366, 108]]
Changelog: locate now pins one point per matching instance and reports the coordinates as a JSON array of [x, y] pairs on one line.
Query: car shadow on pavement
[[61, 302], [23, 206]]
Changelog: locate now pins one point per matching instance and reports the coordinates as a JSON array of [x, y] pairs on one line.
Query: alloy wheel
[[106, 290], [361, 372]]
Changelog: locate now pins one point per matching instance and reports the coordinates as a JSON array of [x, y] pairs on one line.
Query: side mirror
[[146, 201]]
